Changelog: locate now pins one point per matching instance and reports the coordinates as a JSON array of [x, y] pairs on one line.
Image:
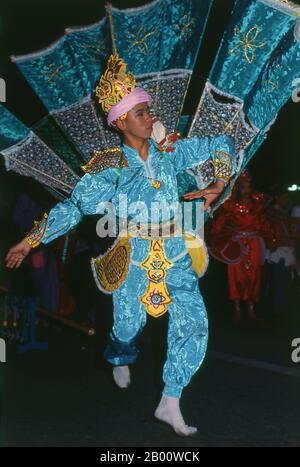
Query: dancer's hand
[[210, 194], [17, 254]]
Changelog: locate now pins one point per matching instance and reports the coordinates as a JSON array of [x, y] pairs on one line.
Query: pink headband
[[137, 96]]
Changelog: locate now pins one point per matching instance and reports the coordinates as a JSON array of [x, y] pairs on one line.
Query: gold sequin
[[156, 184], [140, 40], [184, 27], [112, 268], [114, 83], [54, 72], [105, 159], [248, 43], [222, 165]]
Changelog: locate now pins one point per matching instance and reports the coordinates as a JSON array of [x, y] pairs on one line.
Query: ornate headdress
[[117, 91], [114, 84]]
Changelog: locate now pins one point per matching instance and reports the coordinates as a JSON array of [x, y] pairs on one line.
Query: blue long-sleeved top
[[134, 182]]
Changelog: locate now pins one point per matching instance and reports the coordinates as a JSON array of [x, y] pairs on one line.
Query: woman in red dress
[[238, 231]]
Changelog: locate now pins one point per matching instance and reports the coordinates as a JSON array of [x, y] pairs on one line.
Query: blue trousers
[[187, 328]]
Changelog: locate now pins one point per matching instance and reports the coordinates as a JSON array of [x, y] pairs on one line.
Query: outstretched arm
[[85, 199], [210, 194], [218, 154]]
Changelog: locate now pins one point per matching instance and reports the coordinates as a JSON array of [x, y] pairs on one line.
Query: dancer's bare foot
[[168, 411], [121, 375], [252, 314]]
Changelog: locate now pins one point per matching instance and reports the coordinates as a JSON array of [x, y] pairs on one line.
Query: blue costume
[[188, 326]]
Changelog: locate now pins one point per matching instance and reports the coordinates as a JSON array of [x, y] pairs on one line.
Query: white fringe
[[46, 51], [85, 28], [137, 9], [297, 29], [291, 9]]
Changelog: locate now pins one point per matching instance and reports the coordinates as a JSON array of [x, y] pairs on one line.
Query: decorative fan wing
[[31, 157], [245, 69], [256, 29], [11, 129], [162, 35], [161, 51]]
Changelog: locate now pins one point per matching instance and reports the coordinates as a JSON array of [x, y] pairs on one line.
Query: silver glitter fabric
[[220, 113], [168, 90], [32, 158], [85, 128], [88, 129], [203, 173]]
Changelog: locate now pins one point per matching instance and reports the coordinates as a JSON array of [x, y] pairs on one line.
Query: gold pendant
[[156, 184], [156, 298]]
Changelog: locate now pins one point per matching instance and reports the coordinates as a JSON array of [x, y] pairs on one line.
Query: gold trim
[[111, 269], [35, 236], [156, 298], [105, 159], [222, 165]]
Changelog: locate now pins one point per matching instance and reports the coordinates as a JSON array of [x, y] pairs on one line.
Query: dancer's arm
[[191, 152], [85, 199], [220, 151]]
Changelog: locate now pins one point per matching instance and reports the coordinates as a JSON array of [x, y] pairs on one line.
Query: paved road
[[62, 398]]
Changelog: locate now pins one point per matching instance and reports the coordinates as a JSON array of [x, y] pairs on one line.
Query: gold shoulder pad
[[105, 159]]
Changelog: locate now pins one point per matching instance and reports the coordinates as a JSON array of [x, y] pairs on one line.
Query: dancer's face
[[245, 189], [138, 122]]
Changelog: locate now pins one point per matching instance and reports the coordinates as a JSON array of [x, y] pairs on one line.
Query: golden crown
[[114, 84]]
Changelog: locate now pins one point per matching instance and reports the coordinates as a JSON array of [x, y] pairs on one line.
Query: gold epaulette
[[105, 159], [222, 165]]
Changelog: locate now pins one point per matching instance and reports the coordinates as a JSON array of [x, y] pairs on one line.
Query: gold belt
[[152, 231], [111, 269]]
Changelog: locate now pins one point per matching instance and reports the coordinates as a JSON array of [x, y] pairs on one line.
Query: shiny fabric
[[275, 84], [92, 189], [255, 30], [64, 75], [187, 335], [12, 131], [55, 75], [162, 35], [53, 136], [218, 114]]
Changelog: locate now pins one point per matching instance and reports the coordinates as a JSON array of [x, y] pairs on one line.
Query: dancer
[[146, 272], [239, 231]]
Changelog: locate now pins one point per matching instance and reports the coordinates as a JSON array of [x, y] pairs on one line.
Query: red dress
[[236, 238]]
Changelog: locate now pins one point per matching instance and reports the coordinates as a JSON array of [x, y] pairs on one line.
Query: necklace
[[156, 183]]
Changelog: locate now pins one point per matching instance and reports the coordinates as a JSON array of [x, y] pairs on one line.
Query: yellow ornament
[[156, 298], [156, 184], [114, 83]]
